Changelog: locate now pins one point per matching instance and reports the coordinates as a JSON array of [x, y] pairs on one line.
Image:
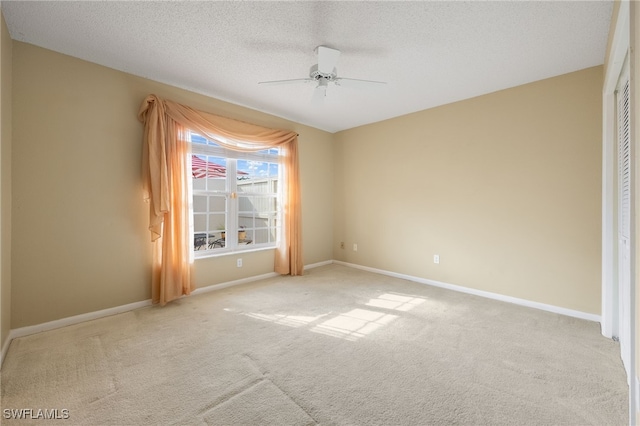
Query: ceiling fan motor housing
[[318, 75]]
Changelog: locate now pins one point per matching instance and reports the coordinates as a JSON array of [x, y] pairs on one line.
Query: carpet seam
[[230, 396], [257, 366]]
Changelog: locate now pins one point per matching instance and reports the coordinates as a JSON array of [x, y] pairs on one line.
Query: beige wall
[[5, 181], [79, 223], [504, 187]]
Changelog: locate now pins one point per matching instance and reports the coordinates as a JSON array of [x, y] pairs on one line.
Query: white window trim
[[231, 227]]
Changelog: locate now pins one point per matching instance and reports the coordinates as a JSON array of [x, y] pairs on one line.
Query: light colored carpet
[[337, 346]]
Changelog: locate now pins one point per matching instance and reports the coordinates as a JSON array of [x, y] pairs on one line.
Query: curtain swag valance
[[166, 187]]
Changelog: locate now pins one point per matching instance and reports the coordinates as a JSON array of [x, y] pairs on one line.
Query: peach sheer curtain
[[166, 187]]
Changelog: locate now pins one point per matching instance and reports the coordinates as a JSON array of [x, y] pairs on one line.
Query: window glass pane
[[250, 169], [208, 172], [217, 222], [195, 138], [256, 205], [243, 236], [199, 184], [200, 222], [261, 186], [217, 240], [199, 204], [246, 220], [263, 178], [216, 184], [217, 231], [261, 236], [245, 204], [199, 241], [272, 151], [217, 204], [199, 139], [247, 169], [273, 170]]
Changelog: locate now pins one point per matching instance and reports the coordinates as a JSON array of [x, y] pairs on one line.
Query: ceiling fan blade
[[327, 59], [293, 81], [354, 82]]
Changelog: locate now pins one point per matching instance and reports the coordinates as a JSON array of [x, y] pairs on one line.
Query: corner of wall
[[5, 185]]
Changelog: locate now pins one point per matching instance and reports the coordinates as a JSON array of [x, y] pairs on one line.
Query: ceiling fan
[[324, 72]]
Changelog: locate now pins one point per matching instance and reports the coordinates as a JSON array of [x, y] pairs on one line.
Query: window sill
[[209, 254]]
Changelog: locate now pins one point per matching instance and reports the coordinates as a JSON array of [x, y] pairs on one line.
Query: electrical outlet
[[355, 247], [436, 258], [239, 263], [342, 244]]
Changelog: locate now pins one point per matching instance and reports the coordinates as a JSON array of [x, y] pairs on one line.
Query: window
[[236, 198]]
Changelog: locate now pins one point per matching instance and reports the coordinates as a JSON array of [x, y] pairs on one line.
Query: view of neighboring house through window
[[236, 197]]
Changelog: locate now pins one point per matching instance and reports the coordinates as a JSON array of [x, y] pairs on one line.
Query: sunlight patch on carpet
[[354, 324], [395, 302], [351, 325], [288, 320]]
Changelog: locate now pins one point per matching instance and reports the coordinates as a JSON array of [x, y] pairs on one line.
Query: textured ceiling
[[430, 53]]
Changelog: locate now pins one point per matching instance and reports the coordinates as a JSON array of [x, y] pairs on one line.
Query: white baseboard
[[26, 331], [63, 322], [76, 319], [487, 294], [254, 278], [220, 286], [5, 348], [633, 411], [316, 265]]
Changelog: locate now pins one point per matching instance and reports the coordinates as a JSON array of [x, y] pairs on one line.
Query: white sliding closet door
[[624, 213]]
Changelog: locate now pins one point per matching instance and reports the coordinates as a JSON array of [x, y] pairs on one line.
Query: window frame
[[232, 197]]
